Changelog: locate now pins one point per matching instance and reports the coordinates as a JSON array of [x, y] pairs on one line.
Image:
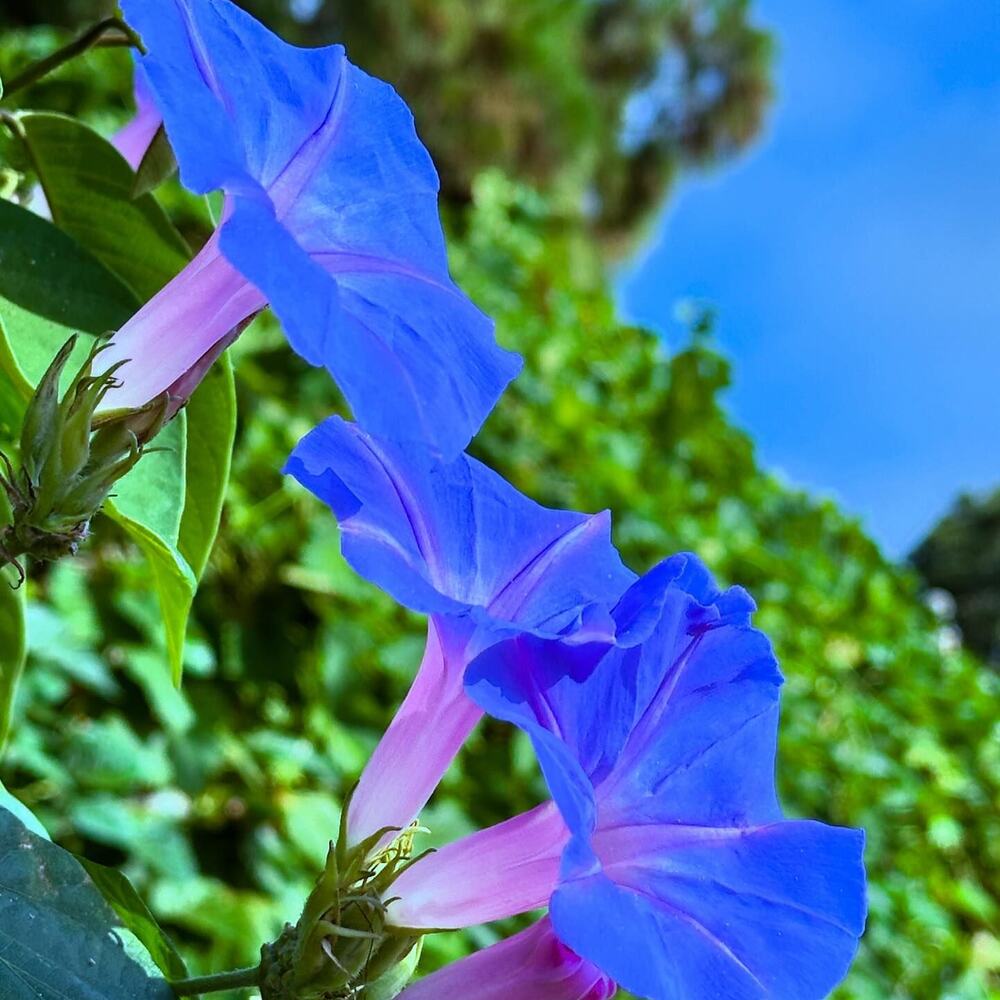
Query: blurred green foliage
[[962, 556], [600, 103], [218, 799]]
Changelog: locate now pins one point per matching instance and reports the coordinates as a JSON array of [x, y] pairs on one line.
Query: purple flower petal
[[748, 914], [332, 216], [680, 877], [455, 537]]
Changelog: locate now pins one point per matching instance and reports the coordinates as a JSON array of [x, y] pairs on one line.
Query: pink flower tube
[[532, 965], [135, 138], [207, 301], [509, 868], [421, 741]]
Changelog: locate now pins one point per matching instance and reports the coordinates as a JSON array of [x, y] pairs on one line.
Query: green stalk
[[219, 981], [93, 36]]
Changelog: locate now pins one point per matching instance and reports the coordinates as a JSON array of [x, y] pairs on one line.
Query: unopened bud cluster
[[342, 947], [70, 460]]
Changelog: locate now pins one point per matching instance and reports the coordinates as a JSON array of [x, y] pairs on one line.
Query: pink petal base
[[507, 869], [532, 965], [178, 326]]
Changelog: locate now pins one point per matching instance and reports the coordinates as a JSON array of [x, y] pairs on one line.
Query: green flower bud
[[342, 947], [70, 460]]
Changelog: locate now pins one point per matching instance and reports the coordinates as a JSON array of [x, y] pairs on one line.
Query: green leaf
[[59, 937], [13, 648], [15, 391], [151, 499], [158, 164], [152, 494], [50, 288], [390, 985], [211, 414], [170, 508], [88, 186], [150, 504], [22, 812], [174, 581], [136, 916], [171, 502]]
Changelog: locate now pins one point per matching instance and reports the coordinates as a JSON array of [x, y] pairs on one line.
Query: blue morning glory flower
[[455, 541], [667, 862], [330, 216]]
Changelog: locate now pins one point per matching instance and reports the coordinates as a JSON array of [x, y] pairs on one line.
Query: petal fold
[[454, 537], [532, 965]]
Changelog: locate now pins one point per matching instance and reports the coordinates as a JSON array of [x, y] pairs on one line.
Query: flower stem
[[95, 35], [219, 981]]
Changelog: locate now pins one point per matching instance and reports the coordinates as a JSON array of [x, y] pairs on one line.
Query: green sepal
[[71, 461]]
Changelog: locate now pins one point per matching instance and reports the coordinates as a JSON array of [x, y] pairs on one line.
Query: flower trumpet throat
[[70, 459], [342, 947]]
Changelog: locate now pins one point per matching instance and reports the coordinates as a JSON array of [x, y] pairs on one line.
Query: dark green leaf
[[59, 939], [50, 287], [89, 190], [158, 164], [135, 915]]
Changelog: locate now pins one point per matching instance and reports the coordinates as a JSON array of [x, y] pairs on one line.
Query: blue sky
[[854, 258]]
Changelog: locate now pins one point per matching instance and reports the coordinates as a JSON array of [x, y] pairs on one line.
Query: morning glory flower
[[330, 216], [664, 857], [454, 541], [532, 965]]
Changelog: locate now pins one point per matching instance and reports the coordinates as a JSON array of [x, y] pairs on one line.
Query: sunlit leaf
[[211, 424], [136, 916]]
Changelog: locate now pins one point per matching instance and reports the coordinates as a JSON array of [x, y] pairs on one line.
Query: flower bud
[[70, 460], [342, 945]]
